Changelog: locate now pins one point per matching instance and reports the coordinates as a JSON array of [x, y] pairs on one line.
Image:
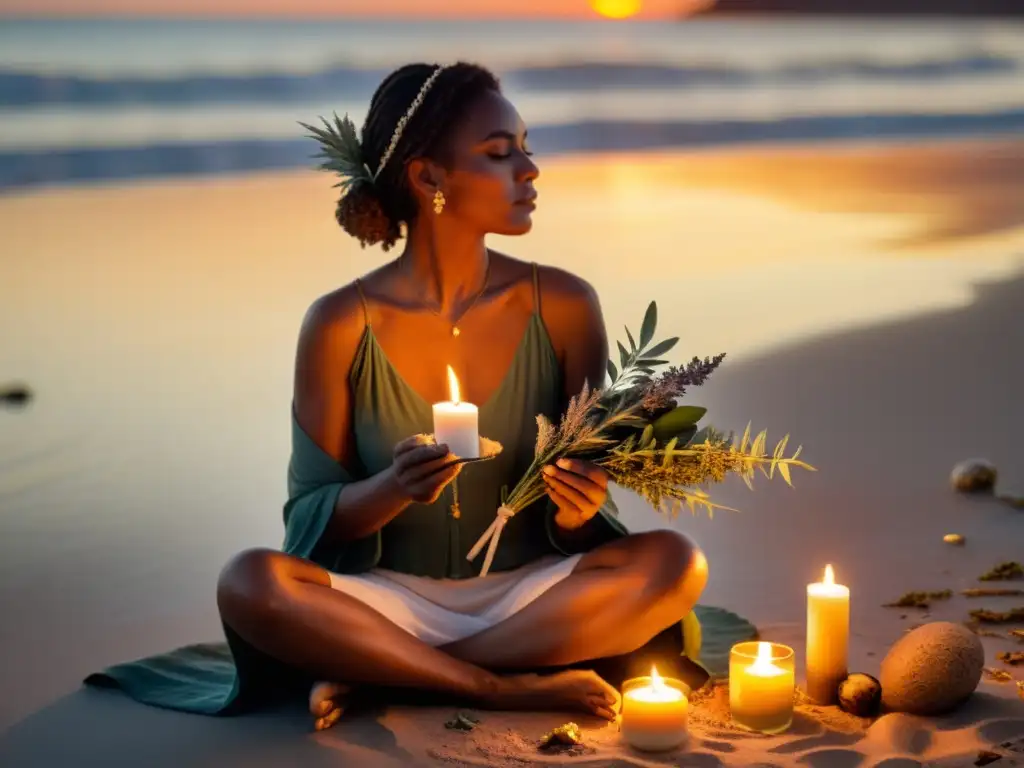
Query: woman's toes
[[324, 698], [323, 723]]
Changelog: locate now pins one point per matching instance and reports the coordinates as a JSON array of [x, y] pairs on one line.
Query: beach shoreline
[[798, 146]]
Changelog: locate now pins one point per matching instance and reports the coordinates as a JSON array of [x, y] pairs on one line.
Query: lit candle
[[762, 682], [654, 713], [828, 634], [455, 423]]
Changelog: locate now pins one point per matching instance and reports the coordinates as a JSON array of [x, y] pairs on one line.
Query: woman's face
[[488, 184]]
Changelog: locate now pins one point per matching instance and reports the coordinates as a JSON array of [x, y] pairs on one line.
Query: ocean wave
[[61, 127], [19, 170], [25, 88]]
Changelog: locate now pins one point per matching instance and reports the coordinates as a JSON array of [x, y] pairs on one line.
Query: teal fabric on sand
[[230, 677]]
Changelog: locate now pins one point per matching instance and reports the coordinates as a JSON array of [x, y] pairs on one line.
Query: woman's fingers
[[430, 487], [569, 519], [570, 494], [601, 709], [594, 492], [423, 454], [586, 469], [568, 515], [419, 472]]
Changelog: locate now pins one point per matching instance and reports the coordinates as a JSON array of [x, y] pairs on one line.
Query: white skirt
[[441, 611]]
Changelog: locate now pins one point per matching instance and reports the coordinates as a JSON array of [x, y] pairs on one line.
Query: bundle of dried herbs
[[644, 439]]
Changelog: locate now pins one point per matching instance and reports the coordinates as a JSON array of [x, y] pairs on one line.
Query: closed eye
[[506, 155], [512, 140]]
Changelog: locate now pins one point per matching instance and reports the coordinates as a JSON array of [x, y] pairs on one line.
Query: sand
[[891, 350]]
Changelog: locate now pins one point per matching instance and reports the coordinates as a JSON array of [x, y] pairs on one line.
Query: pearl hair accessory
[[397, 135]]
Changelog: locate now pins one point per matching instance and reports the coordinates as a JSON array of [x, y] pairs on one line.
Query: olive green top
[[428, 539]]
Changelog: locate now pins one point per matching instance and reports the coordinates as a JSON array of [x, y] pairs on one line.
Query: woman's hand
[[422, 470], [578, 488]]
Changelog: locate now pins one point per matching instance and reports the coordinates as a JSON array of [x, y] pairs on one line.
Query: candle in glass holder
[[762, 683], [456, 423], [654, 712], [828, 635]]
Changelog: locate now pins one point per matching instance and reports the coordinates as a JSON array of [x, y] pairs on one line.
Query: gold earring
[[439, 202]]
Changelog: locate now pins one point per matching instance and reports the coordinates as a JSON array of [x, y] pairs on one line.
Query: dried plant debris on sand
[[992, 592], [980, 631], [463, 721], [985, 757], [1017, 634], [986, 616], [1015, 500], [562, 737], [997, 675], [1013, 658], [919, 599], [1011, 569]]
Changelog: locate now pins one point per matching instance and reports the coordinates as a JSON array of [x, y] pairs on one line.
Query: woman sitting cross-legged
[[373, 586]]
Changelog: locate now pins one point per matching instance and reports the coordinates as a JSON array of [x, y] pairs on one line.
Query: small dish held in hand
[[489, 449]]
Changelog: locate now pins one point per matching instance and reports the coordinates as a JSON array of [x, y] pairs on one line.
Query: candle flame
[[453, 386], [830, 578], [656, 681], [764, 664], [656, 691]]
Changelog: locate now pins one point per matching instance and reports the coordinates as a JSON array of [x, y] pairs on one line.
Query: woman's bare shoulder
[[332, 319], [571, 311], [560, 289], [567, 287]]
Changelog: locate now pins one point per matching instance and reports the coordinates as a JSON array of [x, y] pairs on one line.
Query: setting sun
[[616, 9]]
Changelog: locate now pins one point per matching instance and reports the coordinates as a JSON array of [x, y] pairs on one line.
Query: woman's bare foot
[[327, 703], [574, 689]]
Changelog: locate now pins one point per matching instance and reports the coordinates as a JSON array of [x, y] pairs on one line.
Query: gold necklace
[[456, 331]]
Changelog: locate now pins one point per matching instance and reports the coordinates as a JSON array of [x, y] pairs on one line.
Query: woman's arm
[[328, 340], [572, 313], [582, 342]]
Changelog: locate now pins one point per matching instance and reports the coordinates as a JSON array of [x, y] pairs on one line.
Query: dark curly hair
[[374, 212]]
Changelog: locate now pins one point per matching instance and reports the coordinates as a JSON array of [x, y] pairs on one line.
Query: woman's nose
[[529, 170]]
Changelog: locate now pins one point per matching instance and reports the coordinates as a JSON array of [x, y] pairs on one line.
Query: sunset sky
[[419, 8]]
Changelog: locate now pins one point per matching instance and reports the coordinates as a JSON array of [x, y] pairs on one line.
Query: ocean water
[[115, 99]]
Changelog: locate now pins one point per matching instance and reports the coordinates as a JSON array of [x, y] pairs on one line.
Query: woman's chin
[[518, 224]]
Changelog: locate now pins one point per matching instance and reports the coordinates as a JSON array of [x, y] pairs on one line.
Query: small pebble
[[860, 695], [954, 538], [974, 476], [15, 395]]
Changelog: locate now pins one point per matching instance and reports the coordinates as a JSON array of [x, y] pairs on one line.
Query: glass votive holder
[[762, 686], [655, 713]]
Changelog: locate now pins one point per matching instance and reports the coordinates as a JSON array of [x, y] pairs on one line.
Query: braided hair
[[373, 212]]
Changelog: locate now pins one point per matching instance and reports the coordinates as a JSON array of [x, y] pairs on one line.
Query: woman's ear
[[424, 178]]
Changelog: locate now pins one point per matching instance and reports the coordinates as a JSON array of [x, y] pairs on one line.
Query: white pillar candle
[[828, 637], [456, 423]]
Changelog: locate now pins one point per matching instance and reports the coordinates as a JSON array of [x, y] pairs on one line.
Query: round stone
[[860, 695], [932, 669], [974, 476]]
